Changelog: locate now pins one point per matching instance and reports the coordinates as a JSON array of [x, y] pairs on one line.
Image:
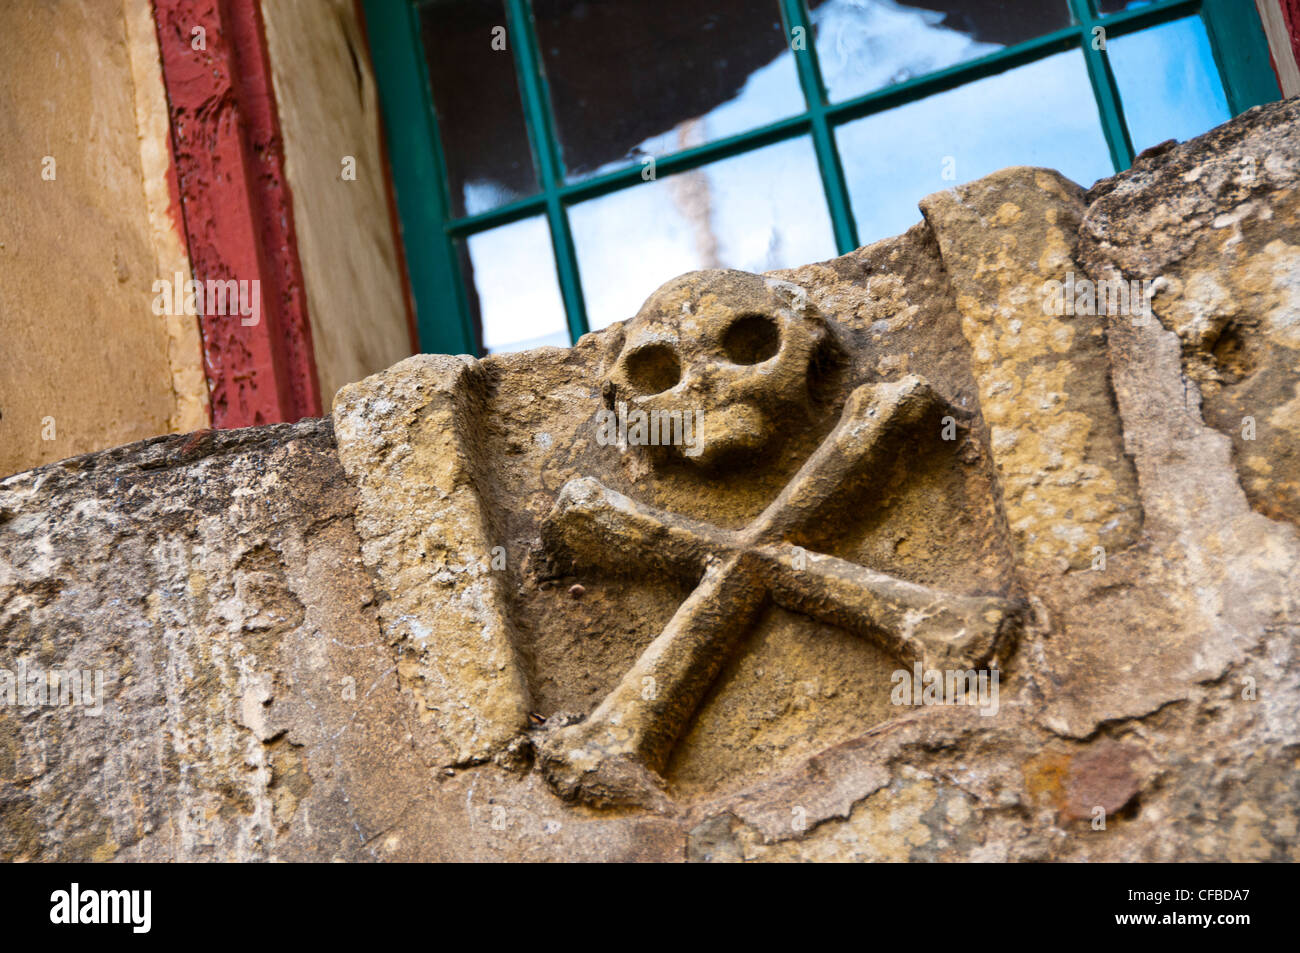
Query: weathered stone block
[[957, 576]]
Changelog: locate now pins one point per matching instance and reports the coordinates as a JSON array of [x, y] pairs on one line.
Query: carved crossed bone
[[614, 756]]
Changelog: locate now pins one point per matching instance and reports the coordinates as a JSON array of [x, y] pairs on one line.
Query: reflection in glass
[[865, 45], [1168, 84], [476, 97], [1039, 114], [650, 77], [1118, 6], [758, 211], [509, 275]]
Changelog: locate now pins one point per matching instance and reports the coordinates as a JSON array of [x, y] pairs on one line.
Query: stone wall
[[419, 631], [89, 225]]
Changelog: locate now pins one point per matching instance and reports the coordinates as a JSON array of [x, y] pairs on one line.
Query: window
[[556, 160]]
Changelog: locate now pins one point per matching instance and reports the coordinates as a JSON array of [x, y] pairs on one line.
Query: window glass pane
[[476, 97], [1168, 84], [865, 45], [1118, 6], [509, 275], [1040, 114], [650, 77], [758, 211]]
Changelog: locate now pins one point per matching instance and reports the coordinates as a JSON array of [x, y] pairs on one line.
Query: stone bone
[[611, 756]]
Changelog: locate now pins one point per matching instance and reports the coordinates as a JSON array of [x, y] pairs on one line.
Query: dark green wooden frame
[[430, 232]]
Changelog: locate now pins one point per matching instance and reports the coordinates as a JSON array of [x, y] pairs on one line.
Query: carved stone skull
[[734, 346]]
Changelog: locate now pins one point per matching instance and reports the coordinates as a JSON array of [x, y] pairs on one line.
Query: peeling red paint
[[1291, 13], [236, 208]]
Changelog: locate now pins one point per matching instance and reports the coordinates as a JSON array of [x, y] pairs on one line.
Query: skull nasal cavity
[[751, 339], [653, 368]]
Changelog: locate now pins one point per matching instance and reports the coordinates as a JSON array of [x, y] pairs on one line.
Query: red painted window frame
[[1291, 14], [236, 208]]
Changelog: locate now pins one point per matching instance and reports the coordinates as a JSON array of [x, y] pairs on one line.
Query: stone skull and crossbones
[[744, 347]]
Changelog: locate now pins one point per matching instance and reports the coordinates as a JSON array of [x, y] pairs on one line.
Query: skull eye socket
[[653, 368], [751, 339]]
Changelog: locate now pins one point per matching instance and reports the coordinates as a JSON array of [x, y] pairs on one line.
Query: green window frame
[[430, 232]]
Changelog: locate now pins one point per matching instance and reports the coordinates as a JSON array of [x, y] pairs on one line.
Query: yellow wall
[[83, 359], [329, 109]]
